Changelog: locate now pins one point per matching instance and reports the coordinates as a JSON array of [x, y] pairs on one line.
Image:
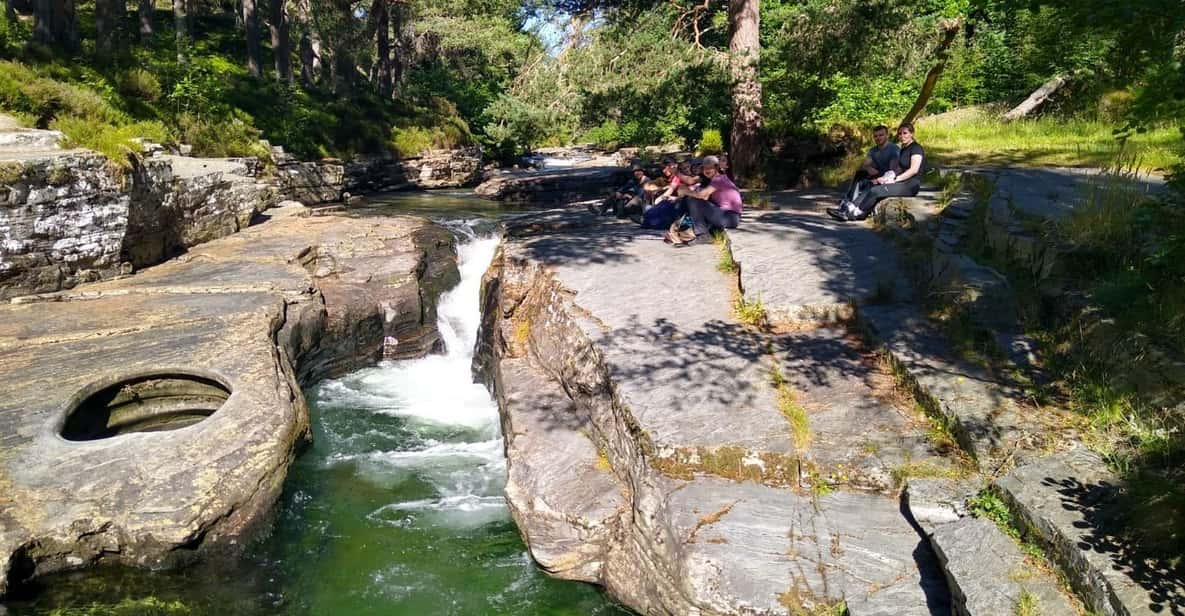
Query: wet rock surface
[[553, 185], [254, 315], [634, 348]]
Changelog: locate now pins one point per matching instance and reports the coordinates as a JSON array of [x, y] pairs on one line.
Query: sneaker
[[636, 218], [853, 212], [837, 214]]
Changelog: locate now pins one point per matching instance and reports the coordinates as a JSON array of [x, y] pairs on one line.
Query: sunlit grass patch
[[978, 137]]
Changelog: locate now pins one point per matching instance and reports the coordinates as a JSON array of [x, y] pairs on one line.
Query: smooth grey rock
[[679, 403], [263, 311], [806, 268], [984, 414], [553, 185], [1066, 499], [569, 507], [989, 575], [933, 502]]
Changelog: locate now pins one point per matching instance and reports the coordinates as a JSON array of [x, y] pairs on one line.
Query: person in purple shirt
[[716, 205]]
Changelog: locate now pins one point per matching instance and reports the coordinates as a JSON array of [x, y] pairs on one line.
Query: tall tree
[[105, 21], [746, 143], [254, 49], [145, 11], [281, 41], [55, 23], [181, 25], [9, 11], [383, 47]]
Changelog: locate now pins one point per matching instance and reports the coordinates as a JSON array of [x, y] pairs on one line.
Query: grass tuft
[[750, 313]]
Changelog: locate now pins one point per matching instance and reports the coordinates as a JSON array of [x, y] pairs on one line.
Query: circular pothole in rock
[[154, 403]]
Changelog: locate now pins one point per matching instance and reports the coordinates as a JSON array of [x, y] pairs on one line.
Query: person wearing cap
[[630, 196], [716, 204]]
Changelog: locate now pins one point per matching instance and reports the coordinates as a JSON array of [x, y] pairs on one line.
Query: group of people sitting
[[688, 205], [691, 204]]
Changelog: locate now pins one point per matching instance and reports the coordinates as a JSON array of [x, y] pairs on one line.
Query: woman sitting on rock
[[904, 181], [714, 205]]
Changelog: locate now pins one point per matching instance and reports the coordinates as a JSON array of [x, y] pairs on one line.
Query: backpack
[[661, 216]]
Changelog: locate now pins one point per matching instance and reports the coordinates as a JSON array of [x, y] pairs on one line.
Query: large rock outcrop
[[151, 420], [654, 447], [71, 216], [553, 185]]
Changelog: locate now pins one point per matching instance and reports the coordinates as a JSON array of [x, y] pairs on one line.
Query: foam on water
[[448, 433]]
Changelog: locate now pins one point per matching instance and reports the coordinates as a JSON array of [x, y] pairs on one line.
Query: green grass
[[726, 264], [750, 312], [1027, 605], [978, 137]]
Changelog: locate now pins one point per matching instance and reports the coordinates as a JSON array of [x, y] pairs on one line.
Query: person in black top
[[906, 181]]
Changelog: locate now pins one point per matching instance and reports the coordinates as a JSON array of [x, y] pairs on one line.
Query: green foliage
[[114, 141], [711, 142], [148, 606], [139, 83], [988, 504], [874, 100], [514, 126]]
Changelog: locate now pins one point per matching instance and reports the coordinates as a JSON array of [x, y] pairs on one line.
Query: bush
[[139, 83], [113, 141], [220, 137], [869, 101], [606, 136], [514, 127], [411, 141], [1114, 106], [711, 142]]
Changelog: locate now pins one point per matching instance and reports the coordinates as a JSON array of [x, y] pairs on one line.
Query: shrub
[[711, 142], [1114, 106], [139, 83], [113, 141], [606, 136], [411, 141], [219, 137]]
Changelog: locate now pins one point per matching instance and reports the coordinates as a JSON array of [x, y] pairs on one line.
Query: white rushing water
[[451, 440]]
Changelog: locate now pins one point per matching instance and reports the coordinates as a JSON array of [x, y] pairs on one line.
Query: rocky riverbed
[[151, 420]]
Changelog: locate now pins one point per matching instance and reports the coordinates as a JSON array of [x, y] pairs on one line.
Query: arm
[[869, 167], [915, 167]]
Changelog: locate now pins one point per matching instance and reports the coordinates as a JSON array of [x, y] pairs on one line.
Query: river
[[396, 509]]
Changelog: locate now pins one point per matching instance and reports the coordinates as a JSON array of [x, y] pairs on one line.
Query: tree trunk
[[10, 11], [950, 29], [383, 45], [1039, 96], [254, 49], [281, 42], [343, 72], [181, 24], [310, 61], [104, 26], [56, 24], [745, 144], [146, 11]]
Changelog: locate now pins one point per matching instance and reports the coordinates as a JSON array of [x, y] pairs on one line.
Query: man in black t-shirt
[[906, 182], [880, 159]]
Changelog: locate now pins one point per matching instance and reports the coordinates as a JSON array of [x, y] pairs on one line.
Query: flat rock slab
[[989, 575], [863, 431], [1069, 500], [985, 415], [662, 317], [1054, 192], [553, 185], [256, 314], [804, 266], [631, 344], [777, 550]]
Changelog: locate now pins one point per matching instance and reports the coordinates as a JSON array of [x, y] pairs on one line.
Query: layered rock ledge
[[150, 420], [657, 447]]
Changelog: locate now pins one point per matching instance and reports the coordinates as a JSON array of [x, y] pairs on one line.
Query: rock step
[[1069, 501], [805, 269], [988, 575], [27, 140], [568, 506], [980, 411]]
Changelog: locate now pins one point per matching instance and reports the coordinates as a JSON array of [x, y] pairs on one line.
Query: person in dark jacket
[[629, 197]]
